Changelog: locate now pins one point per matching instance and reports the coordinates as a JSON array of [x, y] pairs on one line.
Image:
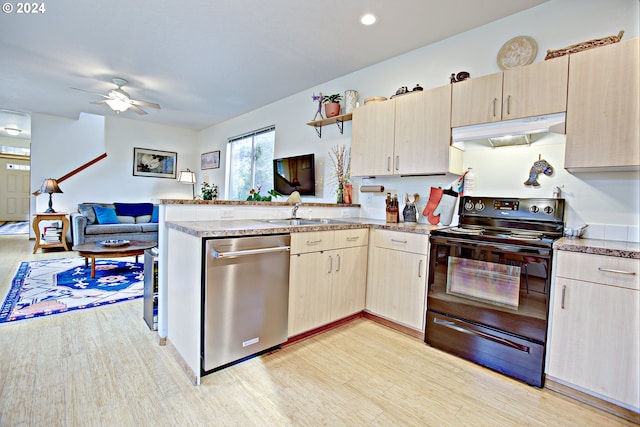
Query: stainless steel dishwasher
[[246, 297]]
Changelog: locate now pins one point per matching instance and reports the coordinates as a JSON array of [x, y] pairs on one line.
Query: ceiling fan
[[119, 100]]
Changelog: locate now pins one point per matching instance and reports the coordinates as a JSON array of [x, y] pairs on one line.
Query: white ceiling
[[205, 61]]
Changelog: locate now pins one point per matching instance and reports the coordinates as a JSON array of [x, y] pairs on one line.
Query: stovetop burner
[[466, 230]]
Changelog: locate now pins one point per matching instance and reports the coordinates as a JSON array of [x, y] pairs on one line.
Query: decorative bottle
[[469, 178]]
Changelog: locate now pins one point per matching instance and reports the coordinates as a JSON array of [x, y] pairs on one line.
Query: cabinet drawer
[[408, 242], [351, 238], [312, 241], [607, 270]]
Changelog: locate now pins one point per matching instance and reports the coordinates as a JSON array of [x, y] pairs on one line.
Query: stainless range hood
[[510, 132]]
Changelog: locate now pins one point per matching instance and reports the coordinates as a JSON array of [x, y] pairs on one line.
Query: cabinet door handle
[[420, 268], [330, 264], [338, 268], [389, 164], [611, 270], [508, 105], [397, 162], [404, 242], [495, 101], [353, 238], [564, 291], [313, 242]]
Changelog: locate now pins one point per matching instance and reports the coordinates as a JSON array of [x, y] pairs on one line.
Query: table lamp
[[188, 177], [50, 186]]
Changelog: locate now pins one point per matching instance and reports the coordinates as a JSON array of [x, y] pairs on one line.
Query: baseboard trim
[[321, 329], [592, 400], [396, 326], [183, 364]]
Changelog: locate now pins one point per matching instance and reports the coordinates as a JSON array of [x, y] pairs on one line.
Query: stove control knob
[[548, 210], [534, 209], [479, 205], [469, 205]]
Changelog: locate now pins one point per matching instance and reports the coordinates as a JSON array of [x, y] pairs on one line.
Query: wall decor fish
[[539, 166]]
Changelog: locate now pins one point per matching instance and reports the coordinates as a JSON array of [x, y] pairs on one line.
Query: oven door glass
[[503, 286], [490, 282]]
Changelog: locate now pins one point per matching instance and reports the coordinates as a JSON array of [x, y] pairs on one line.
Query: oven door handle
[[455, 327]]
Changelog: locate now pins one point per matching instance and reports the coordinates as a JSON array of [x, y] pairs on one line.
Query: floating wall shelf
[[338, 120]]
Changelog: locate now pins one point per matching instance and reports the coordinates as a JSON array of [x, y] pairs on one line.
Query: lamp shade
[[50, 186], [187, 177]]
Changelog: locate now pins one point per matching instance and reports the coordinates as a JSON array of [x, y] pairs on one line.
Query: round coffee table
[[96, 250]]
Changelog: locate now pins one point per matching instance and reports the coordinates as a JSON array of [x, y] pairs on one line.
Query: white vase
[[350, 100]]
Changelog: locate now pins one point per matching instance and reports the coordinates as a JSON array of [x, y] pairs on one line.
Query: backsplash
[[616, 232]]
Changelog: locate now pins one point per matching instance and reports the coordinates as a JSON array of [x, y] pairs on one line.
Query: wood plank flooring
[[104, 367]]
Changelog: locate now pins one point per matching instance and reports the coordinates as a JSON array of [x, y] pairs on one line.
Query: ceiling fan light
[[118, 105], [13, 131]]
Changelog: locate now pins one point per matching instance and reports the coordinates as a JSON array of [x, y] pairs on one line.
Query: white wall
[[598, 198], [60, 145]]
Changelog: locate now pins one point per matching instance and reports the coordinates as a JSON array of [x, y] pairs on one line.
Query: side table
[[54, 216]]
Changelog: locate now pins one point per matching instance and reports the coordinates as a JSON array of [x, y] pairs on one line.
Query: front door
[[14, 190]]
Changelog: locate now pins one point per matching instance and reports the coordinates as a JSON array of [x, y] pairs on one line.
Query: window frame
[[229, 168]]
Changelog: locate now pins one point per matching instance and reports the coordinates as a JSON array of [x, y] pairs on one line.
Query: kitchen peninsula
[[184, 227]]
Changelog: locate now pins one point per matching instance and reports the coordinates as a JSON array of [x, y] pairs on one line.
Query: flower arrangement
[[208, 191], [255, 196], [341, 162]]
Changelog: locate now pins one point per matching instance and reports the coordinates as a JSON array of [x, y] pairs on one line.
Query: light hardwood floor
[[104, 367]]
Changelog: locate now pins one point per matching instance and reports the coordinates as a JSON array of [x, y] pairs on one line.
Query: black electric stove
[[489, 283]]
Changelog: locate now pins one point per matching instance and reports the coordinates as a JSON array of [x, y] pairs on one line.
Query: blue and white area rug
[[46, 287], [13, 227]]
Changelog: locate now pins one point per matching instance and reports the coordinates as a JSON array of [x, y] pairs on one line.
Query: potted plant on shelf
[[332, 105]]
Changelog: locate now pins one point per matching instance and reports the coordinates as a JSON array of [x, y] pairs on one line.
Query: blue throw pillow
[[106, 215], [154, 214], [133, 209]]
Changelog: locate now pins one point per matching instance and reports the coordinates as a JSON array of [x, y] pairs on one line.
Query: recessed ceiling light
[[13, 131], [368, 19]]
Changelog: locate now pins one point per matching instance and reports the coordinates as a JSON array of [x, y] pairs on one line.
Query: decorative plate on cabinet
[[517, 52]]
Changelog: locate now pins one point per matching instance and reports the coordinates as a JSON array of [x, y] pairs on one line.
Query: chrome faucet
[[294, 212]]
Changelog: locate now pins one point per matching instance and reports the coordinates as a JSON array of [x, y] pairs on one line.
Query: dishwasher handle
[[216, 254]]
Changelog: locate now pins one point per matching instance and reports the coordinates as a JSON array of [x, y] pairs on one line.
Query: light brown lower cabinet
[[594, 329], [396, 285], [327, 277]]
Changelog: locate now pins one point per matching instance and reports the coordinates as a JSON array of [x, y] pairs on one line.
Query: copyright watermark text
[[24, 8]]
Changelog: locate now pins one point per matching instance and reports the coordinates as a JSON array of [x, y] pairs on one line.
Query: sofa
[[94, 222]]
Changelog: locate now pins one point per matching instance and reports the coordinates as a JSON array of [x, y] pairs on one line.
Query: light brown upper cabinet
[[408, 135], [602, 108], [372, 135], [532, 90]]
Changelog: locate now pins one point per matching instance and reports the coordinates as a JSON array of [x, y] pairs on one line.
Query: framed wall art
[[210, 160], [154, 163]]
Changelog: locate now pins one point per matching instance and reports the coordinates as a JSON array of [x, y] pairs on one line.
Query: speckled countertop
[[246, 203], [245, 227], [599, 247]]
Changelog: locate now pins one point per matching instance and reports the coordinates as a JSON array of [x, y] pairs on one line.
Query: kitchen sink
[[306, 221]]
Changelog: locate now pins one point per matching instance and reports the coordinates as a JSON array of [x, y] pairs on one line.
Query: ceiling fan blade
[[101, 101], [136, 109], [145, 103], [88, 91]]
